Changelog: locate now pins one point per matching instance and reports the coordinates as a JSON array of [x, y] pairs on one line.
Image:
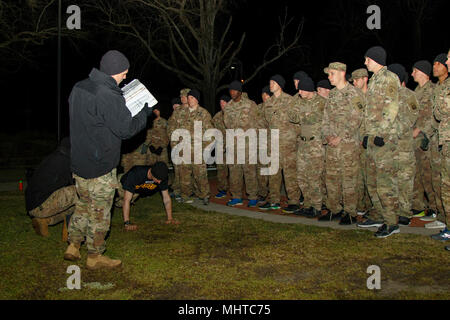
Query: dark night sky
[[33, 90]]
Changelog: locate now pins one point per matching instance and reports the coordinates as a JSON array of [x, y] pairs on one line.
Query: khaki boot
[[73, 252], [98, 261], [40, 225]]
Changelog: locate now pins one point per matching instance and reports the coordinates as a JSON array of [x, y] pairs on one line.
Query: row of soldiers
[[374, 147]]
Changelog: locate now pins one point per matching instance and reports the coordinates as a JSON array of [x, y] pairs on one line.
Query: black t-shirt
[[136, 181]]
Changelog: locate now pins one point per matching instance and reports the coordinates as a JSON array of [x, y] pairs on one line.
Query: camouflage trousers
[[342, 167], [194, 174], [364, 203], [130, 160], [239, 172], [310, 166], [222, 177], [152, 158], [382, 181], [263, 182], [406, 173], [176, 179], [118, 201], [92, 215], [445, 180], [436, 173], [287, 158], [58, 205], [423, 182]]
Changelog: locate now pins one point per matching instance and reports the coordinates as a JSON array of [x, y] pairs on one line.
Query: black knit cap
[[424, 66], [306, 84], [176, 101], [235, 85], [279, 79], [441, 58], [160, 171], [266, 89], [195, 93], [225, 98], [299, 75], [399, 70], [377, 54], [114, 62], [324, 84]]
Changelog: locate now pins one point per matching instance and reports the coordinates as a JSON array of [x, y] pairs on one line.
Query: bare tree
[[191, 38]]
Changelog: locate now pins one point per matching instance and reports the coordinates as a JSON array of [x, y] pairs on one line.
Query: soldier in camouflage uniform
[[240, 113], [195, 173], [341, 123], [407, 116], [440, 71], [424, 131], [380, 141], [275, 114], [263, 180], [174, 123], [222, 169], [442, 112], [308, 112], [157, 140], [323, 88], [360, 78]]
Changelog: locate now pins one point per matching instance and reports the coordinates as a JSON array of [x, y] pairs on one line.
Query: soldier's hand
[[416, 132], [148, 109], [378, 141]]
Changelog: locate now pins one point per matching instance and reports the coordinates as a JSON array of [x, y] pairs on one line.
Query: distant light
[[233, 67], [242, 80]]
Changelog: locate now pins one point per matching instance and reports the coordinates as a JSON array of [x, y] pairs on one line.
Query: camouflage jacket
[[343, 113], [407, 116], [157, 136], [309, 114], [240, 114], [174, 122], [382, 104], [426, 122], [442, 110], [188, 121], [276, 117]]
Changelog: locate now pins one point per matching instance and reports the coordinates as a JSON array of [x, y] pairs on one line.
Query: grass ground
[[217, 256]]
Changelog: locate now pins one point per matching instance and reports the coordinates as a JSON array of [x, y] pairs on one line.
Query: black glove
[[364, 143], [378, 141], [425, 143], [148, 109], [440, 148], [152, 149], [159, 151]]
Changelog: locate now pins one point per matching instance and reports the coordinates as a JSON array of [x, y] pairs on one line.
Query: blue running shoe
[[235, 202], [221, 194], [252, 203], [444, 235]]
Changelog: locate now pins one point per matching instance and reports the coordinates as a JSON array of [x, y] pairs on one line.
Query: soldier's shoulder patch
[[391, 89], [357, 102]]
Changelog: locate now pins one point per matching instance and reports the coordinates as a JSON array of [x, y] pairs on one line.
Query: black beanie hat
[[279, 79], [442, 58], [399, 70], [299, 75], [225, 98], [195, 93], [114, 62], [377, 54], [266, 89], [424, 66], [176, 101], [324, 84], [160, 171], [235, 85], [306, 84]]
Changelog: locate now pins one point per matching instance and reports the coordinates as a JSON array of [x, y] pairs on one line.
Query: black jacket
[[52, 174], [99, 121]]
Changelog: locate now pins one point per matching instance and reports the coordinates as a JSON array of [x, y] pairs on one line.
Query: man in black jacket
[[50, 194], [99, 121]]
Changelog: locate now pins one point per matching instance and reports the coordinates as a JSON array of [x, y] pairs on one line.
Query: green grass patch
[[218, 256]]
